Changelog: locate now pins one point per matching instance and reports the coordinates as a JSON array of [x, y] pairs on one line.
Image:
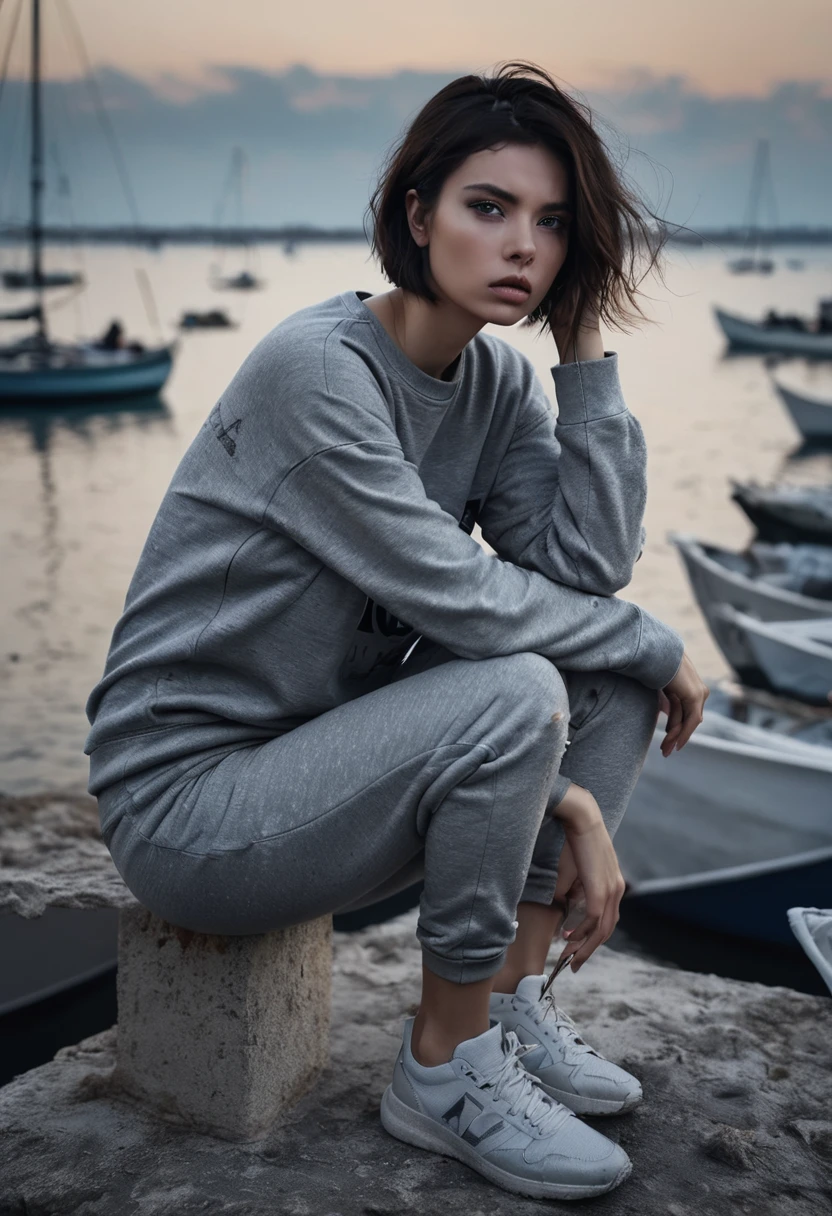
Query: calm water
[[80, 487]]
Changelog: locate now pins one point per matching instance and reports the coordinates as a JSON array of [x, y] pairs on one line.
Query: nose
[[522, 241]]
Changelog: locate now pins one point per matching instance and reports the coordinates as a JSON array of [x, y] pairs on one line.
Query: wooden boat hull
[[713, 584], [746, 901], [24, 280], [725, 801], [795, 657], [782, 521], [811, 415], [752, 335], [54, 952], [813, 929], [146, 374]]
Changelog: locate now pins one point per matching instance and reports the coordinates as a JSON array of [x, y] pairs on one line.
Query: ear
[[417, 218]]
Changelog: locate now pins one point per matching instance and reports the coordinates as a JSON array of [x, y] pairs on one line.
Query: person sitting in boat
[[784, 321], [113, 339]]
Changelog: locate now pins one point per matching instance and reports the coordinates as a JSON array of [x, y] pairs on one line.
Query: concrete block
[[221, 1033]]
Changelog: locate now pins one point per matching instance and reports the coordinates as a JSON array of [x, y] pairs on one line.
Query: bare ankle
[[427, 1052], [431, 1048]]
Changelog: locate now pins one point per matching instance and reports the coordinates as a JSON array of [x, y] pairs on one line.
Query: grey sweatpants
[[445, 773]]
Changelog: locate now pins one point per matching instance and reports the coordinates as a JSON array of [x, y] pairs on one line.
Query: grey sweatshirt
[[320, 523]]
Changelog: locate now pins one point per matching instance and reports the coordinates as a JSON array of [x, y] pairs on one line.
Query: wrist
[[590, 345], [578, 811]]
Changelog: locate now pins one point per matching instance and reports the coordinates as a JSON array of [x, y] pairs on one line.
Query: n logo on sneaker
[[465, 1117]]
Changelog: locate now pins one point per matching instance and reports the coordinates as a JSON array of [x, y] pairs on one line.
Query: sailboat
[[39, 369], [749, 261], [244, 280]]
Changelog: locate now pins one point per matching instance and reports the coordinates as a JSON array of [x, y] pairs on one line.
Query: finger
[[586, 944], [675, 723], [583, 934], [693, 717], [674, 718], [584, 949]]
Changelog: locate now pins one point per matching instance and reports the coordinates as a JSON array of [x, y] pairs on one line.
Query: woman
[[322, 688]]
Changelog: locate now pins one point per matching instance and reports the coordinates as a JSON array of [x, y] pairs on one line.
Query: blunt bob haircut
[[522, 104]]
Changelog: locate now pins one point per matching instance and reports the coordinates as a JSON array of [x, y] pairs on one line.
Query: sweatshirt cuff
[[589, 389], [659, 653]]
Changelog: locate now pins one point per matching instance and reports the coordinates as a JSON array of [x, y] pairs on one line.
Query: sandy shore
[[736, 1117]]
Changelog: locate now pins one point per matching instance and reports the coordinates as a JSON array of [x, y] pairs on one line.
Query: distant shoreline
[[196, 234]]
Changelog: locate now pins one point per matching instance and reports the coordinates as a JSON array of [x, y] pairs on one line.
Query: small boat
[[811, 415], [16, 280], [813, 929], [215, 318], [62, 949], [795, 263], [244, 281], [705, 838], [751, 261], [56, 371], [756, 716], [791, 514], [795, 657], [751, 265], [771, 582], [38, 369], [787, 335], [750, 901]]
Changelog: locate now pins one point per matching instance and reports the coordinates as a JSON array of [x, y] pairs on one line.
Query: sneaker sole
[[413, 1127], [590, 1106]]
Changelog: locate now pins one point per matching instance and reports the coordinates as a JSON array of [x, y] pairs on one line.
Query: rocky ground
[[736, 1117]]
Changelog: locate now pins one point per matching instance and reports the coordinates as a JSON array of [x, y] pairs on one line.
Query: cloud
[[315, 143]]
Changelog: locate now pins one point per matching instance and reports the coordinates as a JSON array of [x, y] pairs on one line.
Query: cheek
[[463, 247]]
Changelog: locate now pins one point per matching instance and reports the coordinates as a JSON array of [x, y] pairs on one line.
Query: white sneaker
[[563, 1062], [484, 1109]]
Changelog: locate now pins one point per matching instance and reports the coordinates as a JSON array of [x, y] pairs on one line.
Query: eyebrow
[[507, 197]]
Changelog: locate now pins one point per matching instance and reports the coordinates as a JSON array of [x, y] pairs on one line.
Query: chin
[[502, 316]]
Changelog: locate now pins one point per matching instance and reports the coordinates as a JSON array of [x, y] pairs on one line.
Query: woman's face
[[476, 235]]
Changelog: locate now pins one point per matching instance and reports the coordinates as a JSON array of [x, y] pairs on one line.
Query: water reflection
[[42, 422], [89, 422]]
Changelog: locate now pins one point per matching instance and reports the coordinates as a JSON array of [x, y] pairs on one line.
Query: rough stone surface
[[52, 855], [733, 1072], [222, 1033]]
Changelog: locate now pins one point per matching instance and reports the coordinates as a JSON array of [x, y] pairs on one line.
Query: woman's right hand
[[683, 700]]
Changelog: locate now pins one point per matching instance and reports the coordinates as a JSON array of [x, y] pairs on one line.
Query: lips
[[520, 283]]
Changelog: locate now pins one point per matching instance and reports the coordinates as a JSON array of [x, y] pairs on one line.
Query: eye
[[556, 227]]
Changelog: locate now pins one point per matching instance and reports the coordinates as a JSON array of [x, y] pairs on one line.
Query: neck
[[432, 336]]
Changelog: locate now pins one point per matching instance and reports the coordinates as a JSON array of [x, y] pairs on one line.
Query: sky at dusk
[[317, 94], [725, 47]]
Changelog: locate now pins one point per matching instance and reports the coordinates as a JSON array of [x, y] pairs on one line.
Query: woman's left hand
[[591, 863], [590, 344]]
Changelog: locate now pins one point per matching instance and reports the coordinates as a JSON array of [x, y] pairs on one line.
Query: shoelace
[[514, 1084], [563, 1022]]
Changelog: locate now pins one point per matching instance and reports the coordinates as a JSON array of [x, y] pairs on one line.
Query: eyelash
[[562, 224]]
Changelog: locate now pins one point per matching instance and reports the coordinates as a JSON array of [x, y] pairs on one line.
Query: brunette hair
[[522, 104]]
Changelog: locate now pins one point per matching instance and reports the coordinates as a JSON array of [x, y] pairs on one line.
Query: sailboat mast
[[36, 168], [757, 174]]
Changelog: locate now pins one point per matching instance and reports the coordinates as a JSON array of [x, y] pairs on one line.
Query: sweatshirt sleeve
[[361, 508], [569, 497]]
